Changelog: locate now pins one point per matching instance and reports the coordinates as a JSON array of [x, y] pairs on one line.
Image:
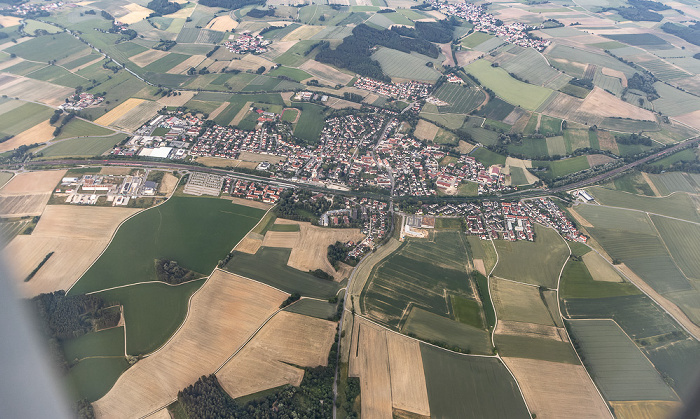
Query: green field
[[511, 90], [92, 378], [313, 308], [23, 117], [467, 311], [165, 63], [292, 73], [461, 98], [537, 262], [577, 282], [407, 66], [670, 182], [419, 273], [80, 128], [278, 274], [58, 75], [88, 147], [152, 312], [535, 348], [463, 386], [520, 303], [488, 157], [475, 39], [285, 227], [677, 206], [310, 124], [557, 168], [530, 65], [105, 343], [446, 332], [531, 148], [617, 366], [517, 176], [47, 47], [181, 230], [496, 109], [682, 240]]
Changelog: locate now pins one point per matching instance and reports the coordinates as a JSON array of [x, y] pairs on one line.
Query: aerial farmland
[[380, 209]]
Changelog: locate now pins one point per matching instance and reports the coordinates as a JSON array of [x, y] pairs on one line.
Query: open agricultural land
[[369, 109]]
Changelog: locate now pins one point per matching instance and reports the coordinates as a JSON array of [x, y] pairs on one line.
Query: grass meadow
[[88, 147], [511, 90]]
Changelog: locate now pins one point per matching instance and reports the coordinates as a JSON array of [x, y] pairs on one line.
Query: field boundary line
[[116, 230], [647, 212], [143, 283]]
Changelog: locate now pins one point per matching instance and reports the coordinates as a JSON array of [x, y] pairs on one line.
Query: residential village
[[81, 101], [412, 90], [246, 42], [515, 33]]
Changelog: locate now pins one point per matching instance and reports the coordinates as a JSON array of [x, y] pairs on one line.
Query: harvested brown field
[[168, 184], [607, 142], [249, 245], [479, 266], [10, 63], [23, 205], [446, 50], [692, 119], [222, 23], [523, 164], [372, 366], [39, 133], [562, 106], [147, 57], [598, 159], [179, 100], [601, 103], [336, 103], [270, 359], [250, 62], [286, 239], [310, 250], [466, 57], [557, 390], [533, 330], [136, 13], [112, 116], [192, 61], [408, 389], [137, 116], [115, 171], [647, 409], [76, 234], [326, 72], [390, 368], [600, 269], [249, 203], [36, 90], [303, 32], [223, 314], [425, 130], [7, 21], [33, 182], [224, 162], [465, 147]]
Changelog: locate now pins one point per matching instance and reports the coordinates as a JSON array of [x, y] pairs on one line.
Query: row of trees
[[170, 272], [230, 4]]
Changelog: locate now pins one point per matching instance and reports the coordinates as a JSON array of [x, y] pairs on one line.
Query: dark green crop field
[[269, 265], [195, 232], [461, 386], [577, 282]]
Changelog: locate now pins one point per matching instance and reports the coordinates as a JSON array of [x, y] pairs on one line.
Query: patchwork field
[[112, 116], [26, 194], [273, 357], [239, 307], [678, 205], [519, 302], [77, 235]]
